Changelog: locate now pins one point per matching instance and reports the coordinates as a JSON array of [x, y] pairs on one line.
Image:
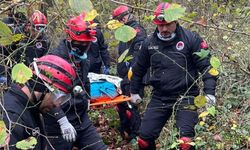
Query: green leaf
[[215, 62], [128, 58], [5, 34], [200, 101], [202, 54], [148, 18], [174, 145], [174, 12], [4, 30], [28, 143], [3, 133], [59, 2], [212, 110], [17, 37], [169, 1], [123, 55], [21, 73], [125, 33], [192, 15], [189, 16], [81, 5], [5, 41]]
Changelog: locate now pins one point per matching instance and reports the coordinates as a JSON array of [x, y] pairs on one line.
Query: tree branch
[[131, 6], [195, 23], [217, 28], [10, 6]]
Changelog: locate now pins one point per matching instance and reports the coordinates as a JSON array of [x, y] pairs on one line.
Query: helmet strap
[[36, 101]]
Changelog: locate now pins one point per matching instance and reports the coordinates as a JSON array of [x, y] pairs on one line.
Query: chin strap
[[33, 96]]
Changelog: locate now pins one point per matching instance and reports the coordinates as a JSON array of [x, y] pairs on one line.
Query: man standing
[[34, 45], [37, 41], [129, 117], [98, 54], [169, 52], [74, 49]]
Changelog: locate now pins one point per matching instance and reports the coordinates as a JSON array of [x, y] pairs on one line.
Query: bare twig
[[217, 28], [192, 22], [11, 6], [131, 6]]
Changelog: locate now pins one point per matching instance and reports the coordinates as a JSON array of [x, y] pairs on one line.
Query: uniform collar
[[17, 90]]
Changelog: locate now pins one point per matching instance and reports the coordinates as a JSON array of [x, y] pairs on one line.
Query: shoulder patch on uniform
[[180, 45], [138, 30], [204, 45], [95, 40], [39, 45]]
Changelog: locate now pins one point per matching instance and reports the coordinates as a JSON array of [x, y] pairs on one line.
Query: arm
[[203, 66], [140, 68], [103, 50], [67, 130], [137, 43]]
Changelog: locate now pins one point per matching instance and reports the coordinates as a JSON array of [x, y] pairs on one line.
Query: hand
[[211, 100], [135, 99], [68, 131], [3, 80], [106, 70]]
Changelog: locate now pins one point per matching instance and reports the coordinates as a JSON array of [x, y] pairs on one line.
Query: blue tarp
[[102, 89]]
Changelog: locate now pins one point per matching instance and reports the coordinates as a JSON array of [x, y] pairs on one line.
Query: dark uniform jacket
[[25, 50], [133, 46], [174, 66], [20, 110], [77, 106], [98, 53], [37, 48]]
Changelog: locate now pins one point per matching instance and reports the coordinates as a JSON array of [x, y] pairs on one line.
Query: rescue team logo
[[138, 30], [204, 45], [95, 40], [39, 45], [180, 45]]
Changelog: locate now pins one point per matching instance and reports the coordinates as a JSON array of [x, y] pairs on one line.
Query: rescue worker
[[35, 43], [16, 22], [129, 117], [22, 102], [98, 54], [74, 49], [37, 40], [169, 52]]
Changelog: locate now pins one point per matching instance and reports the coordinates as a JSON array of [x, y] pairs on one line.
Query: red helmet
[[120, 12], [159, 13], [78, 29], [55, 71], [38, 18]]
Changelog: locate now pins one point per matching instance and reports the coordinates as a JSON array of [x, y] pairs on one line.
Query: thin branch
[[192, 22], [11, 6], [234, 61], [217, 28], [131, 6]]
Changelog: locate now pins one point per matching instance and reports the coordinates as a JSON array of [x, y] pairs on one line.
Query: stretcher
[[105, 91]]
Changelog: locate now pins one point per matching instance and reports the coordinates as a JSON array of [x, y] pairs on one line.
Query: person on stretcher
[[105, 89]]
